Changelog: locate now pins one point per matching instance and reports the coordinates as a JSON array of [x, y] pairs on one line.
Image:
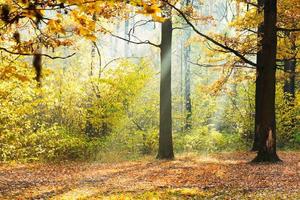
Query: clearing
[[214, 176]]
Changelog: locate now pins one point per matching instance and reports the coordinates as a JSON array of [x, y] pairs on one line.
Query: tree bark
[[37, 64], [165, 150], [258, 82], [37, 58], [289, 83], [267, 122], [126, 30], [188, 102], [290, 68]]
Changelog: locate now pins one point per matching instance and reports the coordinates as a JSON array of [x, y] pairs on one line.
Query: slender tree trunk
[[37, 64], [90, 130], [289, 83], [290, 68], [37, 59], [126, 30], [182, 109], [267, 122], [289, 89], [114, 42], [188, 102], [165, 150], [93, 53], [258, 82]]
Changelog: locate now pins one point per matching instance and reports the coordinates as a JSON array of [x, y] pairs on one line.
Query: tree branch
[[218, 65], [134, 42], [288, 30], [30, 54], [235, 52]]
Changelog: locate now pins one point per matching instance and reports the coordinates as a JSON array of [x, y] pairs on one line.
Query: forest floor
[[214, 176]]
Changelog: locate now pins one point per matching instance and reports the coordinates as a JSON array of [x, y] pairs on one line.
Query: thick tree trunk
[[165, 150], [267, 122], [258, 83]]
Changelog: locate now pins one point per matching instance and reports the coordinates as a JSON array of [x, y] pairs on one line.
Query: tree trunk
[[182, 100], [290, 68], [37, 64], [165, 150], [37, 58], [90, 129], [289, 83], [188, 103], [267, 122], [258, 82], [126, 30]]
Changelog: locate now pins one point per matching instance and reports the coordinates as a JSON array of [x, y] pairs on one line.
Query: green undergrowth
[[58, 144]]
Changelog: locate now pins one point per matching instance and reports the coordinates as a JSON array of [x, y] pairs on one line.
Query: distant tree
[[187, 77], [290, 70], [51, 21]]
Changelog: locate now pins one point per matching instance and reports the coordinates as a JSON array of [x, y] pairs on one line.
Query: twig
[[31, 54]]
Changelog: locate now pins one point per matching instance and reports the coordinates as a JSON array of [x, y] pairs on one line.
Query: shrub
[[206, 139], [49, 144]]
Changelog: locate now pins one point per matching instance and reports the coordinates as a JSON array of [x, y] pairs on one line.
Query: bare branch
[[219, 65], [32, 54], [235, 52], [119, 58], [134, 42], [288, 30], [180, 28], [100, 58]]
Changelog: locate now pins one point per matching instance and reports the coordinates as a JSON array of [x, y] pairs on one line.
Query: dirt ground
[[214, 176]]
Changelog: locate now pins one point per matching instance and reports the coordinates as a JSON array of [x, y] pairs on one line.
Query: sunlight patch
[[189, 192], [78, 193]]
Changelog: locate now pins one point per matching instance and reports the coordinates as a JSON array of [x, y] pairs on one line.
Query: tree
[[266, 119], [187, 78], [267, 125], [288, 34], [165, 150], [290, 70], [258, 82], [51, 21]]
